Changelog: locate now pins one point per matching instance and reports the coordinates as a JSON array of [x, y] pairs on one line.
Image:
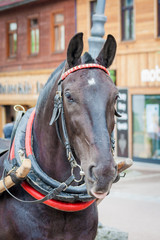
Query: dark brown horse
[[89, 98]]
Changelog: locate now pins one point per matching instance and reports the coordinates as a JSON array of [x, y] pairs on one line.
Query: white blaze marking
[[91, 81]]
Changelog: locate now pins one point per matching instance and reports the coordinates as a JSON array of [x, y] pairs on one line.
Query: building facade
[[136, 26], [34, 35]]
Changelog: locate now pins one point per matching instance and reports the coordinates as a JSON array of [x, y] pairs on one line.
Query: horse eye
[[68, 96]]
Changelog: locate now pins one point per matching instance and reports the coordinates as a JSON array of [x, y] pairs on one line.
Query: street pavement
[[133, 205]]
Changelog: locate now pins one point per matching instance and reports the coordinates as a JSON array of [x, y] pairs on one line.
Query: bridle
[[58, 111]]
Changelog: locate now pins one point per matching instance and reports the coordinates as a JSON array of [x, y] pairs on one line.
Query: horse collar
[[40, 185]]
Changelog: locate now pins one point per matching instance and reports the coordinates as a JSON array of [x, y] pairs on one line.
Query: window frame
[[143, 93], [52, 31], [14, 55], [91, 11], [158, 18], [122, 13], [29, 35]]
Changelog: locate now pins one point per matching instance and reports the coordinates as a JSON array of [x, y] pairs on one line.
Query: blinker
[[57, 104], [57, 107]]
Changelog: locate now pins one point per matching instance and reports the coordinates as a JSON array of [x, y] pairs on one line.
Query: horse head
[[89, 97]]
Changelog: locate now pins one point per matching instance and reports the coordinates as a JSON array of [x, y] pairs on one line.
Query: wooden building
[[136, 26]]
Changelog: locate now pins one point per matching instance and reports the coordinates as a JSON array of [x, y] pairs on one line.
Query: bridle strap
[[83, 66], [65, 140], [58, 112]]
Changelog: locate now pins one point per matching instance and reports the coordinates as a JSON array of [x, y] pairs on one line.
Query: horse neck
[[50, 154], [49, 151]]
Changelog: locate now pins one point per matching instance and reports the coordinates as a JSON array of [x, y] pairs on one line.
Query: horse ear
[[107, 54], [74, 50]]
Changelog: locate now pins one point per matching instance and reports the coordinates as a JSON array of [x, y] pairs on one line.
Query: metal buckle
[[19, 108], [59, 93], [81, 173]]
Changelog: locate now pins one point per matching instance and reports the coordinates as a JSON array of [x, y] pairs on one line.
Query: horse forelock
[[87, 58]]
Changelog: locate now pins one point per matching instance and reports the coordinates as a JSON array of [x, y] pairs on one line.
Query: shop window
[[33, 36], [127, 20], [12, 39], [58, 32], [146, 128], [158, 18], [93, 5]]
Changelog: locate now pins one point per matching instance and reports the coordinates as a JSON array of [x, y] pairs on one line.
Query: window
[[12, 39], [58, 32], [146, 128], [33, 36], [93, 5], [127, 19], [158, 18]]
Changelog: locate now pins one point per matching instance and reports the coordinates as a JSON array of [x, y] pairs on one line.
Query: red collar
[[63, 206]]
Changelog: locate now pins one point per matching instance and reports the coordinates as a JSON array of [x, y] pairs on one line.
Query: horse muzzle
[[100, 180], [100, 192], [98, 195]]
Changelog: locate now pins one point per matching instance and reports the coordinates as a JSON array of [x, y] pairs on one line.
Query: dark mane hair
[[50, 82], [86, 58]]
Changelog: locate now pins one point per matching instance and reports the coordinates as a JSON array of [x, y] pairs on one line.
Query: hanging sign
[[21, 88], [122, 124]]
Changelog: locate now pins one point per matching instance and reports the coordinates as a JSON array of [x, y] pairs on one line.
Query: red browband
[[89, 65], [63, 206]]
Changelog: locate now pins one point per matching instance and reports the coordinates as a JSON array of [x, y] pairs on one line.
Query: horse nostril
[[91, 173]]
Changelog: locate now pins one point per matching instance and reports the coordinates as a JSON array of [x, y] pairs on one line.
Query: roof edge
[[17, 4]]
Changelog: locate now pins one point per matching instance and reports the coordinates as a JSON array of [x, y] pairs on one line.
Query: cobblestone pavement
[[133, 204]]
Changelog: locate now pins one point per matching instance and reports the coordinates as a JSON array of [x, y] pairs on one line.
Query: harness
[[38, 184]]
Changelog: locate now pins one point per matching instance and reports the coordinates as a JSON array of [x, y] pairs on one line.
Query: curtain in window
[[59, 32], [127, 12]]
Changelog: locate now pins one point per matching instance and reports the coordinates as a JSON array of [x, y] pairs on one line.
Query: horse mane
[[54, 74], [86, 58], [49, 84]]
